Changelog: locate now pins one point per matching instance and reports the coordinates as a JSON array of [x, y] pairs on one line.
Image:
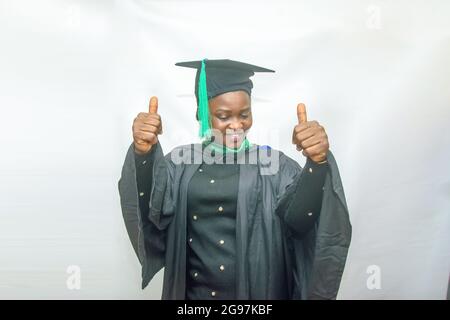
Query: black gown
[[213, 238]]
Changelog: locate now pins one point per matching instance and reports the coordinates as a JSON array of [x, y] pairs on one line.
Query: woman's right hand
[[146, 127]]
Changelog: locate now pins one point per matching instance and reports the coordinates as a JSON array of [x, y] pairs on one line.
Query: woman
[[228, 219]]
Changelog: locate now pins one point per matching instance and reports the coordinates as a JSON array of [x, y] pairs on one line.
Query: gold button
[[144, 162], [310, 170], [195, 274], [212, 181], [194, 217], [310, 214], [220, 209], [141, 194], [190, 239], [221, 242], [213, 293], [200, 170], [222, 267]]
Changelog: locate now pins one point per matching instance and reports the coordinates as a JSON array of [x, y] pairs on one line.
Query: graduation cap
[[215, 77]]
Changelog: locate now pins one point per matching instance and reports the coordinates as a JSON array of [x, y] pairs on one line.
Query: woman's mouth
[[235, 139]]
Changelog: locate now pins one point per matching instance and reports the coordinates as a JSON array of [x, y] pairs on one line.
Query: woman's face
[[231, 117]]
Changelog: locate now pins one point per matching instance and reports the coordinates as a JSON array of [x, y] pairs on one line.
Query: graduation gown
[[272, 262]]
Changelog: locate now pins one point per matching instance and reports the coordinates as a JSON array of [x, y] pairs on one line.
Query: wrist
[[317, 163], [140, 153], [321, 158]]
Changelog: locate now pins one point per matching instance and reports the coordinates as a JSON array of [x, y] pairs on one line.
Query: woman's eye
[[222, 117], [245, 116]]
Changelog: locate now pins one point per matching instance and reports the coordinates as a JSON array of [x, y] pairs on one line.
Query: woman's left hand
[[310, 137]]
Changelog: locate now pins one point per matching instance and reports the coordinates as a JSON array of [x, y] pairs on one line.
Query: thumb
[[153, 106], [301, 113]]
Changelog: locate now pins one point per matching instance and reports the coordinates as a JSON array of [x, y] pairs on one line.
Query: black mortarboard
[[224, 75]]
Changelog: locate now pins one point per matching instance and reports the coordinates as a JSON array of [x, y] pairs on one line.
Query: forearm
[[305, 206], [144, 178]]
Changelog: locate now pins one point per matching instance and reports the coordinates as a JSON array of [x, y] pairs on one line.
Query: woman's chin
[[233, 146]]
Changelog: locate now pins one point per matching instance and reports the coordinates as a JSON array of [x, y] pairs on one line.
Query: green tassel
[[203, 110]]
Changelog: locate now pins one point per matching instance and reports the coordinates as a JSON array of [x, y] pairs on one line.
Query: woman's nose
[[236, 125]]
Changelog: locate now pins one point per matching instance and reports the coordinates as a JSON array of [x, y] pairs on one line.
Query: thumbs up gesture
[[310, 137], [146, 127]]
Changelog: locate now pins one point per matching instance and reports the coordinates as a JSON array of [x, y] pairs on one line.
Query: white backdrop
[[73, 75]]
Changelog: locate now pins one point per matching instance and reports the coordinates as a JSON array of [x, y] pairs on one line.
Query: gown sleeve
[[317, 255], [147, 207]]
